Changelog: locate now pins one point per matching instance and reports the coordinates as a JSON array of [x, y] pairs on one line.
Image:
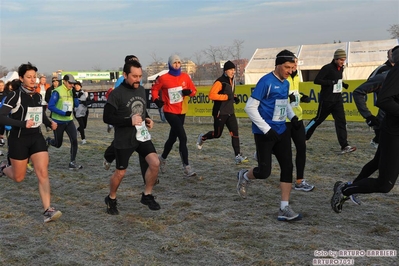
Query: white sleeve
[[251, 108], [290, 112]]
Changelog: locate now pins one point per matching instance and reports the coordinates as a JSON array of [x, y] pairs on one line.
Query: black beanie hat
[[228, 65]]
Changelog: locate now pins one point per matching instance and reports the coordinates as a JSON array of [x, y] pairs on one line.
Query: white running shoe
[[200, 142]]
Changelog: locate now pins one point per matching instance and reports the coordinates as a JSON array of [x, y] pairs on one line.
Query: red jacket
[[171, 87]]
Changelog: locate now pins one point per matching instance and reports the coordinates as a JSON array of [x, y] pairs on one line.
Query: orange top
[[171, 87]]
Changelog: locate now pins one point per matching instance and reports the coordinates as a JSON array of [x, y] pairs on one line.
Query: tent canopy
[[362, 58], [154, 77], [10, 76]]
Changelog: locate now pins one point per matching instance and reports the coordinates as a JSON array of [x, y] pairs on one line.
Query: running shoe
[[188, 171], [287, 214], [51, 214], [106, 165], [150, 202], [304, 186], [338, 199], [241, 159], [373, 144], [84, 141], [200, 142], [111, 205], [348, 149], [74, 166], [242, 184]]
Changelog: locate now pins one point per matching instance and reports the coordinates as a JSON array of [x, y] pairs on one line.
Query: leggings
[[82, 124], [218, 125], [70, 129], [336, 109], [281, 149], [386, 160], [176, 123], [298, 137]]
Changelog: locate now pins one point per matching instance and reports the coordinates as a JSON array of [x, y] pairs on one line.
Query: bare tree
[[236, 49], [156, 65], [394, 31], [215, 54], [200, 69], [97, 68], [3, 71]]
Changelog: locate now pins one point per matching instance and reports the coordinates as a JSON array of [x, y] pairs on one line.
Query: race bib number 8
[[175, 95], [35, 114], [142, 132], [280, 110]]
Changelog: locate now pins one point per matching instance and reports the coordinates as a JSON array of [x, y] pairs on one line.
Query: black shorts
[[123, 155], [23, 147]]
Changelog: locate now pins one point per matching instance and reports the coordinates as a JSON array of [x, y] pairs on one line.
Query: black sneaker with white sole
[[150, 202]]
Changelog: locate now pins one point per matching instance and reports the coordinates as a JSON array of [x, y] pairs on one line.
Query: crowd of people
[[273, 108]]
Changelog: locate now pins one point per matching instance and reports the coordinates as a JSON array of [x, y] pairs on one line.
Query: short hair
[[22, 69], [1, 81], [128, 65]]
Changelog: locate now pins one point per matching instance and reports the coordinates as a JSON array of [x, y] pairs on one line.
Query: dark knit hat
[[395, 54], [228, 65], [130, 58], [339, 53], [285, 56]]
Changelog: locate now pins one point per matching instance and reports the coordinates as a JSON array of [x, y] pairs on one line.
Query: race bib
[[67, 106], [142, 132], [296, 94], [35, 113], [280, 110], [338, 87], [175, 95]]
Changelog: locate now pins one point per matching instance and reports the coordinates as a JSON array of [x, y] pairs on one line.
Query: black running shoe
[[111, 205], [150, 202]]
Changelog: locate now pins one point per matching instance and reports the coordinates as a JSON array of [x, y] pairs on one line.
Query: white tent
[[362, 59], [10, 76], [154, 77]]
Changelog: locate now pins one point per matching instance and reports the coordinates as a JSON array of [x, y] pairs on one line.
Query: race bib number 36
[[35, 114]]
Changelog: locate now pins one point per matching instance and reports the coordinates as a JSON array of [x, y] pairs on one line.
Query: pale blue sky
[[81, 35]]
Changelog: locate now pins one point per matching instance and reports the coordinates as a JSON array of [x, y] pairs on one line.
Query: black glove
[[186, 92], [236, 100], [372, 121], [345, 85], [68, 113], [272, 135], [292, 98], [304, 98], [159, 103], [295, 122]]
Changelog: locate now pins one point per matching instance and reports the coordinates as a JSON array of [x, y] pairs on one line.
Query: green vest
[[64, 103]]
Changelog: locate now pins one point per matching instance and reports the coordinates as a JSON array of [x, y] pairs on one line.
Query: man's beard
[[136, 85]]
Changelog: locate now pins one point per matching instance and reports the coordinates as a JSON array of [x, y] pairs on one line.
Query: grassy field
[[202, 220]]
